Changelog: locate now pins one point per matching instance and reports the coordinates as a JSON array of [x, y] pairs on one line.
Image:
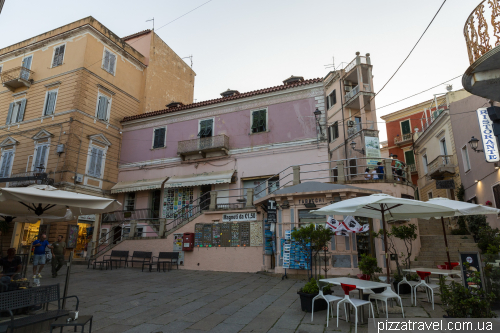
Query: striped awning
[[138, 185], [196, 179]]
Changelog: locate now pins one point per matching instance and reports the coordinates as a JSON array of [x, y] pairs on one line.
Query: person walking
[[39, 255], [58, 255]]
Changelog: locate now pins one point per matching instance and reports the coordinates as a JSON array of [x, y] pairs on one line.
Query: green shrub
[[487, 237], [476, 222], [311, 287], [368, 265]]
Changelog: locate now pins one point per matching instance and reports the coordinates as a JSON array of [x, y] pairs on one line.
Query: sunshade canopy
[[462, 208], [138, 185], [394, 208], [206, 178], [45, 200]]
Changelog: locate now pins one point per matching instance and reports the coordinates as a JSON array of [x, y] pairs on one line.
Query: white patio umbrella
[[461, 208], [383, 206], [48, 202]]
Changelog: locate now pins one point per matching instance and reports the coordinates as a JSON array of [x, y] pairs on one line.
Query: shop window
[[306, 217], [129, 201], [85, 231], [177, 201], [259, 121]]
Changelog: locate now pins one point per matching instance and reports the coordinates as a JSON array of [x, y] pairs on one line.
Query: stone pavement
[[128, 300]]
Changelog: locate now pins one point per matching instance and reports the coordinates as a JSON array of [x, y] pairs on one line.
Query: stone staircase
[[433, 250]]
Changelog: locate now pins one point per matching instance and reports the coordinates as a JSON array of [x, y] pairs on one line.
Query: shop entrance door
[[205, 196], [117, 236], [155, 204]]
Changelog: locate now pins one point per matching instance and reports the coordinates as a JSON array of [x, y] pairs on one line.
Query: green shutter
[[409, 157], [405, 127]]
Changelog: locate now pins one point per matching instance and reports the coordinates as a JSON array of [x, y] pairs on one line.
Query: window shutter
[[106, 60], [27, 62], [42, 158], [112, 60], [9, 114], [4, 165], [22, 107], [6, 170], [330, 129], [98, 163], [93, 157], [102, 107], [51, 101], [60, 55], [334, 94], [159, 138]]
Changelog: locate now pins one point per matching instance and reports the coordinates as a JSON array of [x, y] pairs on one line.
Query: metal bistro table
[[63, 322], [361, 285]]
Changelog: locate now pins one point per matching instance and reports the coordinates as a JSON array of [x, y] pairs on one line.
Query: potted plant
[[308, 292], [368, 266], [489, 203]]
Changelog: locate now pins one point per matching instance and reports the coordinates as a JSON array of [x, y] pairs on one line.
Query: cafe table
[[361, 286], [436, 271]]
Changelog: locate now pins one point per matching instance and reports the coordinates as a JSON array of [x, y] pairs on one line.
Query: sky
[[253, 44]]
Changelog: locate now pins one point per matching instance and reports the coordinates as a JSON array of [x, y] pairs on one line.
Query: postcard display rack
[[228, 234], [295, 256]]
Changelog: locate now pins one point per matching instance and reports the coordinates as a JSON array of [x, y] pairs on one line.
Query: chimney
[[229, 93], [293, 79], [174, 105]]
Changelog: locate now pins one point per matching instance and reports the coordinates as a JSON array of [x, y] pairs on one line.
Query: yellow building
[[63, 96]]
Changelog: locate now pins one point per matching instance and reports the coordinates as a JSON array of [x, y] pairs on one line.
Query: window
[[424, 162], [58, 56], [444, 151], [129, 201], [103, 107], [139, 231], [109, 62], [306, 217], [159, 137], [155, 203], [96, 162], [496, 194], [357, 120], [16, 111], [41, 155], [429, 195], [465, 158], [331, 100], [259, 121], [206, 128], [6, 163], [50, 102], [25, 74], [334, 131], [409, 157], [103, 237], [405, 127]]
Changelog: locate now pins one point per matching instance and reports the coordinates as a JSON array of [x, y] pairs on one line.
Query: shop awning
[[138, 185], [207, 178]]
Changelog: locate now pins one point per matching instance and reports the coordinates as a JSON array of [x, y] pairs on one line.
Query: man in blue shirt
[[39, 255]]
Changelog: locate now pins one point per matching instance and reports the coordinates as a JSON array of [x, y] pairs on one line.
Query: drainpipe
[[343, 118]]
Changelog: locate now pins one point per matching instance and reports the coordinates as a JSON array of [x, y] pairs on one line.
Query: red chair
[[442, 266], [429, 287], [356, 303], [365, 277]]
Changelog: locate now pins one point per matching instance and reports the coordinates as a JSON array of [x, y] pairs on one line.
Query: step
[[428, 247]]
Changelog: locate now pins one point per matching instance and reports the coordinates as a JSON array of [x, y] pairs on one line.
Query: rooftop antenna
[[153, 19], [154, 47], [191, 58], [332, 65]]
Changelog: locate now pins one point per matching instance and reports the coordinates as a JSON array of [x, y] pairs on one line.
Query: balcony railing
[[412, 167], [16, 77], [442, 164], [204, 145], [403, 139], [29, 178], [352, 93], [352, 64], [129, 215], [480, 36]]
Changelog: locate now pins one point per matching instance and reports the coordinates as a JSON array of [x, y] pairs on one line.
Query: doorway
[[155, 204], [117, 235], [205, 196]]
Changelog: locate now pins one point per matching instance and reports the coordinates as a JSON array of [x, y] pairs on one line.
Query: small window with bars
[[259, 121], [58, 56], [109, 62], [159, 137]]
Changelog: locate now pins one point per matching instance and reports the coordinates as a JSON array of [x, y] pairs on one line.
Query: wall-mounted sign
[[490, 145], [311, 200], [448, 184], [271, 211], [239, 217], [372, 148], [90, 218]]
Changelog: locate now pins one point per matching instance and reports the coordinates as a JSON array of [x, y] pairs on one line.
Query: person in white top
[[367, 174], [375, 174]]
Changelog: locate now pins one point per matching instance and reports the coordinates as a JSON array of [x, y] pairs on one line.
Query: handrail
[[20, 72]]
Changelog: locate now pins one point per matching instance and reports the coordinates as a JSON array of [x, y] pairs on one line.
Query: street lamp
[[317, 115], [473, 144], [353, 146]]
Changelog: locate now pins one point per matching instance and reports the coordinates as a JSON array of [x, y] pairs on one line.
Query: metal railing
[[440, 161], [351, 93], [16, 73], [352, 64], [203, 144], [26, 182], [404, 138], [129, 215], [479, 36], [412, 167]]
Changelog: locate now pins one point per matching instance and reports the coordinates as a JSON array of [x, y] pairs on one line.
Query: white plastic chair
[[384, 297], [412, 285], [356, 303], [328, 298], [428, 286]]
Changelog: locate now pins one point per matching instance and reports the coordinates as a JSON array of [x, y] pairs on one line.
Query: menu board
[[226, 234], [468, 277], [207, 235], [216, 234], [244, 233], [198, 234], [235, 234]]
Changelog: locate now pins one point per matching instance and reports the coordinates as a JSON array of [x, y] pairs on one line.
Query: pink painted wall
[[286, 122]]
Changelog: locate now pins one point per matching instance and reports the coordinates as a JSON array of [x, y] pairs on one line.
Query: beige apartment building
[[63, 95]]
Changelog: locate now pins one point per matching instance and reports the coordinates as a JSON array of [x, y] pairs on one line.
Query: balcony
[[441, 166], [412, 167], [16, 77], [400, 140], [482, 37], [212, 146], [25, 179], [352, 64]]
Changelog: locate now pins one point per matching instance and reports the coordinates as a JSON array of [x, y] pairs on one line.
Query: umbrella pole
[[385, 246], [446, 242]]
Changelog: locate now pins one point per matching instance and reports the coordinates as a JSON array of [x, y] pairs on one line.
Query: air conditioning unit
[[79, 178], [348, 88], [350, 123]]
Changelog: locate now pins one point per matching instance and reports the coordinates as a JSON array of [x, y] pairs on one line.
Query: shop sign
[[90, 218], [271, 211], [311, 200], [448, 184], [239, 217], [490, 144]]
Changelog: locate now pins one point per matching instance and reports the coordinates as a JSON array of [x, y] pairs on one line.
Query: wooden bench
[[118, 257], [27, 298], [141, 257], [170, 257]]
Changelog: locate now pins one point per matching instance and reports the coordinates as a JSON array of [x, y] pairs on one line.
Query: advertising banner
[[490, 145], [372, 149]]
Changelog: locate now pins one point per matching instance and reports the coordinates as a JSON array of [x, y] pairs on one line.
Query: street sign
[[448, 184], [490, 144]]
